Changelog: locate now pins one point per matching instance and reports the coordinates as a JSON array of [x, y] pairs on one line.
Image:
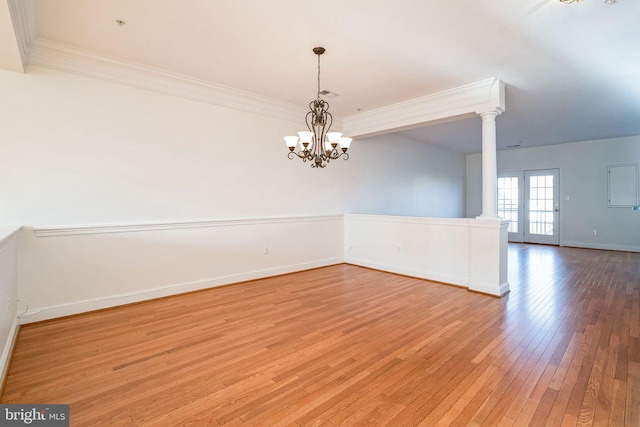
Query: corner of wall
[[9, 237]]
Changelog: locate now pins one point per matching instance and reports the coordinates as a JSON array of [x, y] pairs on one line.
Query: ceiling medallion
[[576, 1], [318, 145]]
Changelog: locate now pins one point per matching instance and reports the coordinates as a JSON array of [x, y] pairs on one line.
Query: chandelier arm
[[328, 119], [300, 155], [338, 155], [322, 149], [309, 119]]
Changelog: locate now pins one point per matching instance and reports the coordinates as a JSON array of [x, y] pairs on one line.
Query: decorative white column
[[489, 236], [489, 166]]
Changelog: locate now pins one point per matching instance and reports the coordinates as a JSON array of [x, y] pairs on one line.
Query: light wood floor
[[345, 345]]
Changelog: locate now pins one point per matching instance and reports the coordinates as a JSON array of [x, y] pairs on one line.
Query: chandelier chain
[[318, 78]]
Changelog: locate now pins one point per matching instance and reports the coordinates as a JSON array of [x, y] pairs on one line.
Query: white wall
[[73, 270], [466, 252], [8, 294], [473, 185], [82, 151], [393, 175], [79, 152], [583, 177]]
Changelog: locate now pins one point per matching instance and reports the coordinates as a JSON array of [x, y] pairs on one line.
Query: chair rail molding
[[70, 230]]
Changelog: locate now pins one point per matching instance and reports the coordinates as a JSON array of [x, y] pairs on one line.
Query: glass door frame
[[519, 235], [529, 237], [523, 217]]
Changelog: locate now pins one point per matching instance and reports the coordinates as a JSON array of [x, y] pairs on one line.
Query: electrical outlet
[[266, 250]]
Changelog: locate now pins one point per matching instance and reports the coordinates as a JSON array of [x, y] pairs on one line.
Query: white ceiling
[[572, 70]]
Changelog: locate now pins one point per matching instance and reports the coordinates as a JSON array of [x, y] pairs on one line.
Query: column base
[[488, 263], [490, 216]]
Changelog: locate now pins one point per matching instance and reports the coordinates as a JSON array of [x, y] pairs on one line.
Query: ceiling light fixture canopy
[[318, 145], [576, 1]]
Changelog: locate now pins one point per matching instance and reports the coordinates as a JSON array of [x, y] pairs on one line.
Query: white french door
[[530, 201], [542, 206], [509, 203]]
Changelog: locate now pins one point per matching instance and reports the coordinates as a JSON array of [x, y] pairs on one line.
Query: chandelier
[[318, 145]]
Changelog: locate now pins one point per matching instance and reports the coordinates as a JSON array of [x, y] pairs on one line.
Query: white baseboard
[[497, 290], [37, 314], [419, 273], [604, 246], [7, 351]]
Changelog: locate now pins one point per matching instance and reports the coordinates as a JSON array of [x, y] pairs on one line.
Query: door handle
[[557, 209]]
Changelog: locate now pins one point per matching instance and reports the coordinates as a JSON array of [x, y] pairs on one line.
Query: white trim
[[450, 222], [49, 54], [454, 222], [464, 101], [58, 56], [22, 16], [483, 96], [486, 288], [412, 272], [7, 234], [70, 230], [490, 223], [603, 246], [51, 312], [7, 351]]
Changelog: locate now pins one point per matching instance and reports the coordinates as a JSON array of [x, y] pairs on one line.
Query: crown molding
[[45, 53], [475, 98], [464, 101], [48, 54], [22, 16]]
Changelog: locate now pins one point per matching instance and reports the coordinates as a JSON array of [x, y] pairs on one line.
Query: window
[[508, 201]]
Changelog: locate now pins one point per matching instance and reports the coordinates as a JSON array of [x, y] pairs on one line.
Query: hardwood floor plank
[[345, 345]]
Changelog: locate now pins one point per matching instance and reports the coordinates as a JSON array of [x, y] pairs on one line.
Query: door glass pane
[[541, 205], [508, 201]]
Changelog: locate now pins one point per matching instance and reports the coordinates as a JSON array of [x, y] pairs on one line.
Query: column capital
[[488, 113]]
